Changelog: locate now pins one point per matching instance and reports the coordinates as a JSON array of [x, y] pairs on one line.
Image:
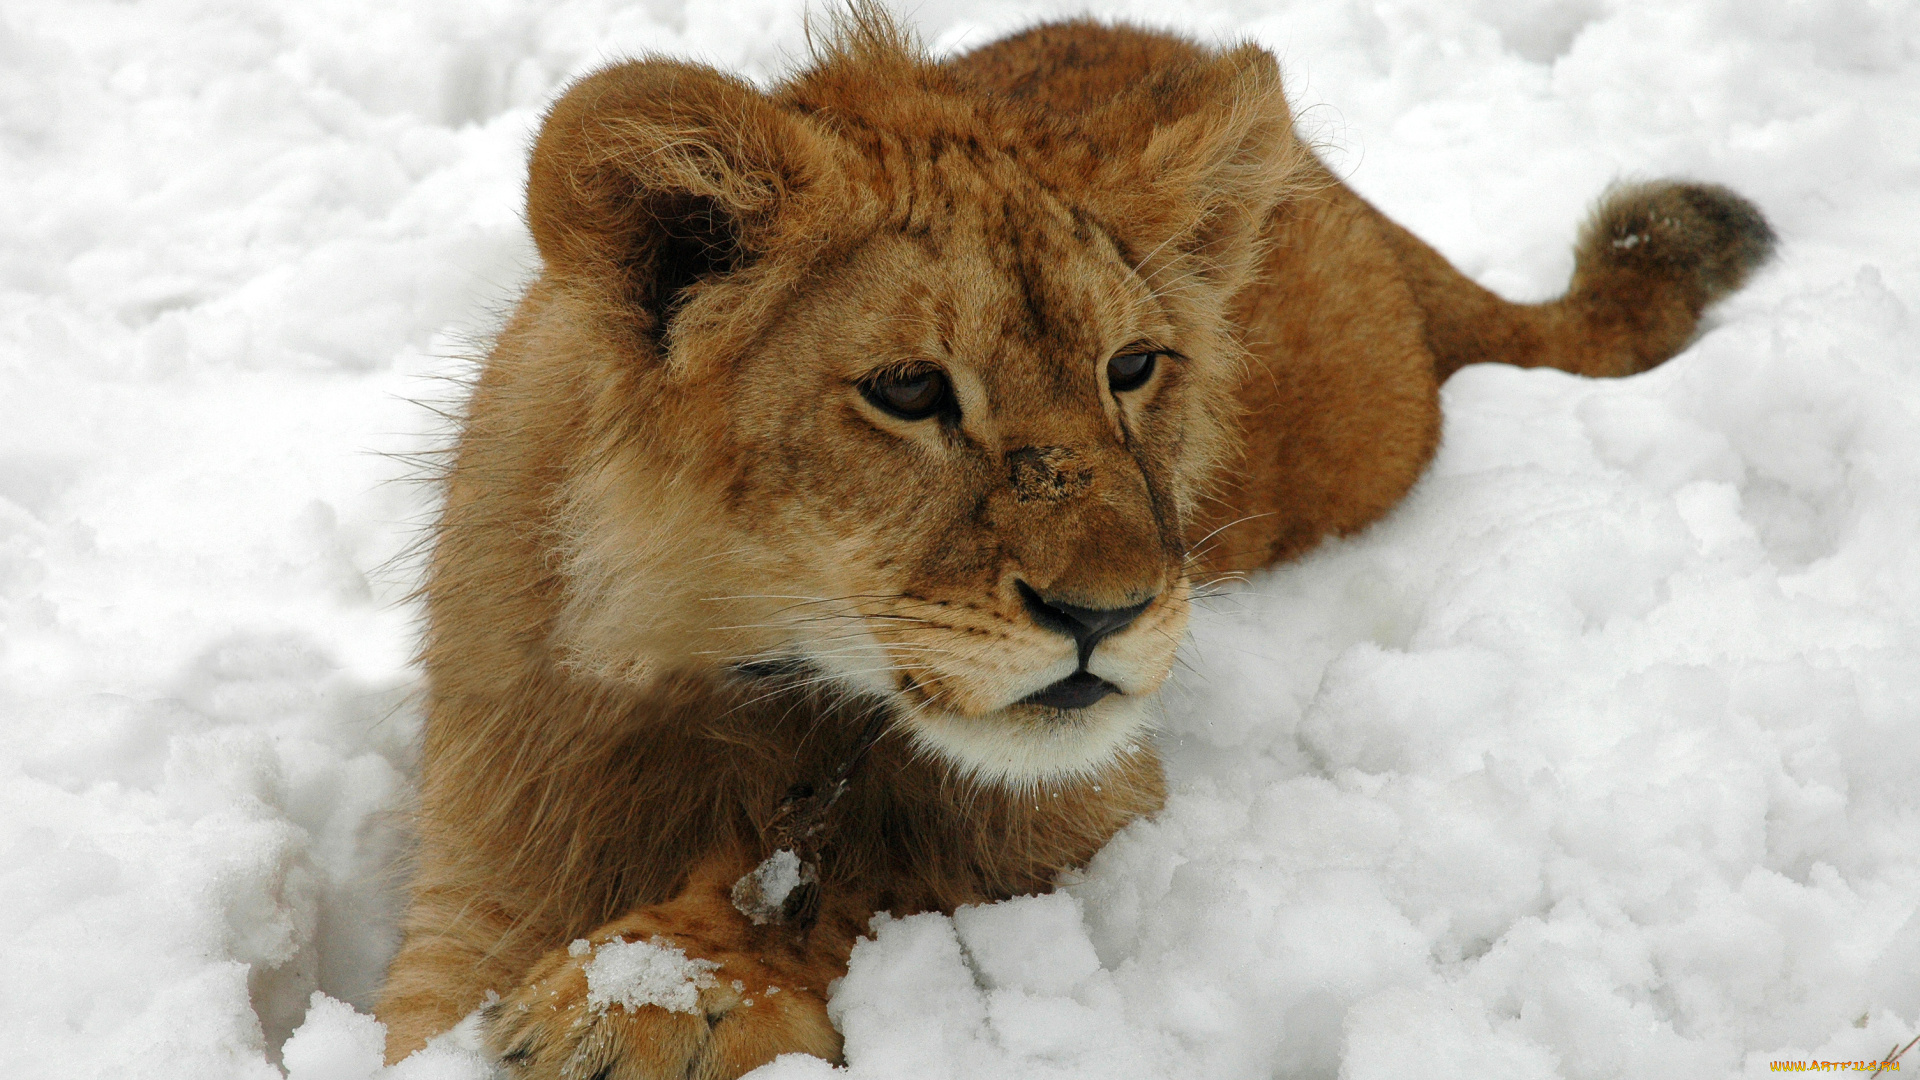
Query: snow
[[635, 973], [1600, 757], [761, 893]]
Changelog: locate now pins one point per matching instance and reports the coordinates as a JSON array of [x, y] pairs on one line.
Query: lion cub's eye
[[1130, 371], [913, 393]]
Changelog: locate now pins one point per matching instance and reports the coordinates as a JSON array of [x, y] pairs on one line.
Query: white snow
[[761, 894], [1599, 758], [651, 972]]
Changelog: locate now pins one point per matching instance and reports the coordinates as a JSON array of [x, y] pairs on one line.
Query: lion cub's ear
[[654, 176], [1204, 150]]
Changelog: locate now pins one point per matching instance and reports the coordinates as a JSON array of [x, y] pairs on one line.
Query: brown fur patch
[[1049, 474]]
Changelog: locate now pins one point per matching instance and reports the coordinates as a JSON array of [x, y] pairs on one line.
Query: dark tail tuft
[[1701, 237]]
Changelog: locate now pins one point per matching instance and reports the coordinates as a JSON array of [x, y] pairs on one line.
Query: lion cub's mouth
[[1076, 691]]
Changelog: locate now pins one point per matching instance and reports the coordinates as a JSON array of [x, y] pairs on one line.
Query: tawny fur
[[683, 563]]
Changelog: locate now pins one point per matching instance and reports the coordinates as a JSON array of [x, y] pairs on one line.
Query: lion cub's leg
[[455, 948], [625, 1005]]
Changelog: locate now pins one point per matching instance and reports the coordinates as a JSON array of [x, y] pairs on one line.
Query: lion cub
[[826, 517]]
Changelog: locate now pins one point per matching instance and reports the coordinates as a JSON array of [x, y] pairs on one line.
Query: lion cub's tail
[[1649, 261]]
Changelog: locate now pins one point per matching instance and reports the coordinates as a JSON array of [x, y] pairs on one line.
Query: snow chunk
[[761, 894], [335, 1043], [651, 972], [1037, 944]]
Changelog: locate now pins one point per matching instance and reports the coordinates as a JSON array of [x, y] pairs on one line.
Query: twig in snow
[[1893, 1057]]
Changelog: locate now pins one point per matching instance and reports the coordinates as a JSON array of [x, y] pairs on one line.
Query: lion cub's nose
[[1087, 626]]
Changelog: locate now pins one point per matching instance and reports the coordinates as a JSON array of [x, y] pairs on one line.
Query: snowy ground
[[1600, 758]]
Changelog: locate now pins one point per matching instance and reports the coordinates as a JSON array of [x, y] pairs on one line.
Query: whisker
[[1196, 549]]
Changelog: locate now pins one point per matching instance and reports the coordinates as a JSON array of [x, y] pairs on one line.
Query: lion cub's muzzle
[[1046, 688], [1088, 627]]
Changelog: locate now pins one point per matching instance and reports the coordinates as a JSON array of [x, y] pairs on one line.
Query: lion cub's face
[[971, 445], [907, 412]]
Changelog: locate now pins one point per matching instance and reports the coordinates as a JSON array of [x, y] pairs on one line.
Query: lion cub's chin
[[1023, 745]]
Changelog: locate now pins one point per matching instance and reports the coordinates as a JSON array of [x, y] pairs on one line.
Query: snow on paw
[[634, 1006]]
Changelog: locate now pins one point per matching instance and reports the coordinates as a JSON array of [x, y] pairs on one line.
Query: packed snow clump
[[636, 973], [761, 893], [1598, 759], [337, 1042]]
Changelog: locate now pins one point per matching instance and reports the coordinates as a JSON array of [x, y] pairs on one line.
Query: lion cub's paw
[[632, 1005]]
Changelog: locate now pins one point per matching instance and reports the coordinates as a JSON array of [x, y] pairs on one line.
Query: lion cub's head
[[892, 381]]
